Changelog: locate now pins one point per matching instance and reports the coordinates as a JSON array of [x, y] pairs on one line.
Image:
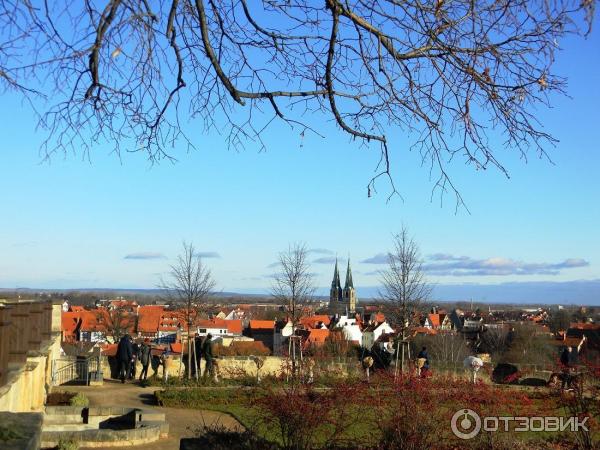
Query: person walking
[[473, 364], [144, 356], [134, 359], [124, 356], [166, 363], [423, 362], [155, 363], [197, 371], [568, 361], [207, 353]]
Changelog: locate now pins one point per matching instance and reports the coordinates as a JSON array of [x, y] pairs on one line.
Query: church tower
[[349, 293], [335, 294]]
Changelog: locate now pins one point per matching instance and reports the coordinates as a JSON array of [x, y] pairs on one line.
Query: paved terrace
[[182, 422]]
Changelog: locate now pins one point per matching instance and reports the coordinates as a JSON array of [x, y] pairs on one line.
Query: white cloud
[[145, 255], [207, 255], [448, 265]]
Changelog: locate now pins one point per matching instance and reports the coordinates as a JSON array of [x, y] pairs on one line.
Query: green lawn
[[241, 403]]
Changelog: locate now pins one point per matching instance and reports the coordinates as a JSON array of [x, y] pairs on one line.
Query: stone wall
[[229, 366], [235, 366], [25, 429], [29, 328]]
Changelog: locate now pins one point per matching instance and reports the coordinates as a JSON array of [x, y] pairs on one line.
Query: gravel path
[[182, 422]]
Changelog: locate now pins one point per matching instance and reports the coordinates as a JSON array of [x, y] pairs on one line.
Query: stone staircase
[[106, 426]]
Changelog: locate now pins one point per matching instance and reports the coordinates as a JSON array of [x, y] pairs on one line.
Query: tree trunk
[[189, 356], [196, 368]]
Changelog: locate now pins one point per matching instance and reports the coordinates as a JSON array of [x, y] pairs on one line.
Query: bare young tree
[[189, 285], [453, 74], [529, 346], [117, 320], [404, 289], [293, 286], [495, 341], [447, 349]]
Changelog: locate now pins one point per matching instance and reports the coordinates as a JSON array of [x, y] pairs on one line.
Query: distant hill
[[116, 291], [580, 292]]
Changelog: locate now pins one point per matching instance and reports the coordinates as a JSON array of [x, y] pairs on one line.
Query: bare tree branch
[[462, 79], [189, 286], [404, 287], [293, 284]]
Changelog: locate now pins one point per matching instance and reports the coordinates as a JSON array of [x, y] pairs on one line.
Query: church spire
[[336, 283], [349, 283], [335, 294]]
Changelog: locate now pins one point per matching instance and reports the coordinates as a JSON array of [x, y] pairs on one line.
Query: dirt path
[[182, 422]]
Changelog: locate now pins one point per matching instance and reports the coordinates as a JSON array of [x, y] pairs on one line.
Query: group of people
[[203, 350], [568, 361], [129, 353]]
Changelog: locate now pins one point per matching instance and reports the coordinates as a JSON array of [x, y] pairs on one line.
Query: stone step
[[164, 426], [52, 419], [149, 416], [68, 427]]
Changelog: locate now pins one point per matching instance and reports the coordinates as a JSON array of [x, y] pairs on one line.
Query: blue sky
[[113, 222]]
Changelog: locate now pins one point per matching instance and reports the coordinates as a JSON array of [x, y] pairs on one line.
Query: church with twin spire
[[342, 301]]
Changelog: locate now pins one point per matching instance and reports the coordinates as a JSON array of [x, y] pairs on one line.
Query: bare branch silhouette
[[462, 78]]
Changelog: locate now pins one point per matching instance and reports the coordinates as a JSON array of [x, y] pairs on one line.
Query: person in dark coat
[[423, 354], [124, 356], [567, 360], [207, 353], [198, 350], [136, 355], [155, 363], [565, 357], [144, 356]]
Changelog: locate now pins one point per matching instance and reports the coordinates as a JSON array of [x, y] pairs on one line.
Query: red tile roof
[[152, 308], [69, 324], [149, 319], [379, 317], [234, 326], [315, 321], [262, 324], [211, 323], [96, 320], [424, 330], [170, 321], [435, 320], [123, 303], [101, 320], [317, 336], [176, 347]]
